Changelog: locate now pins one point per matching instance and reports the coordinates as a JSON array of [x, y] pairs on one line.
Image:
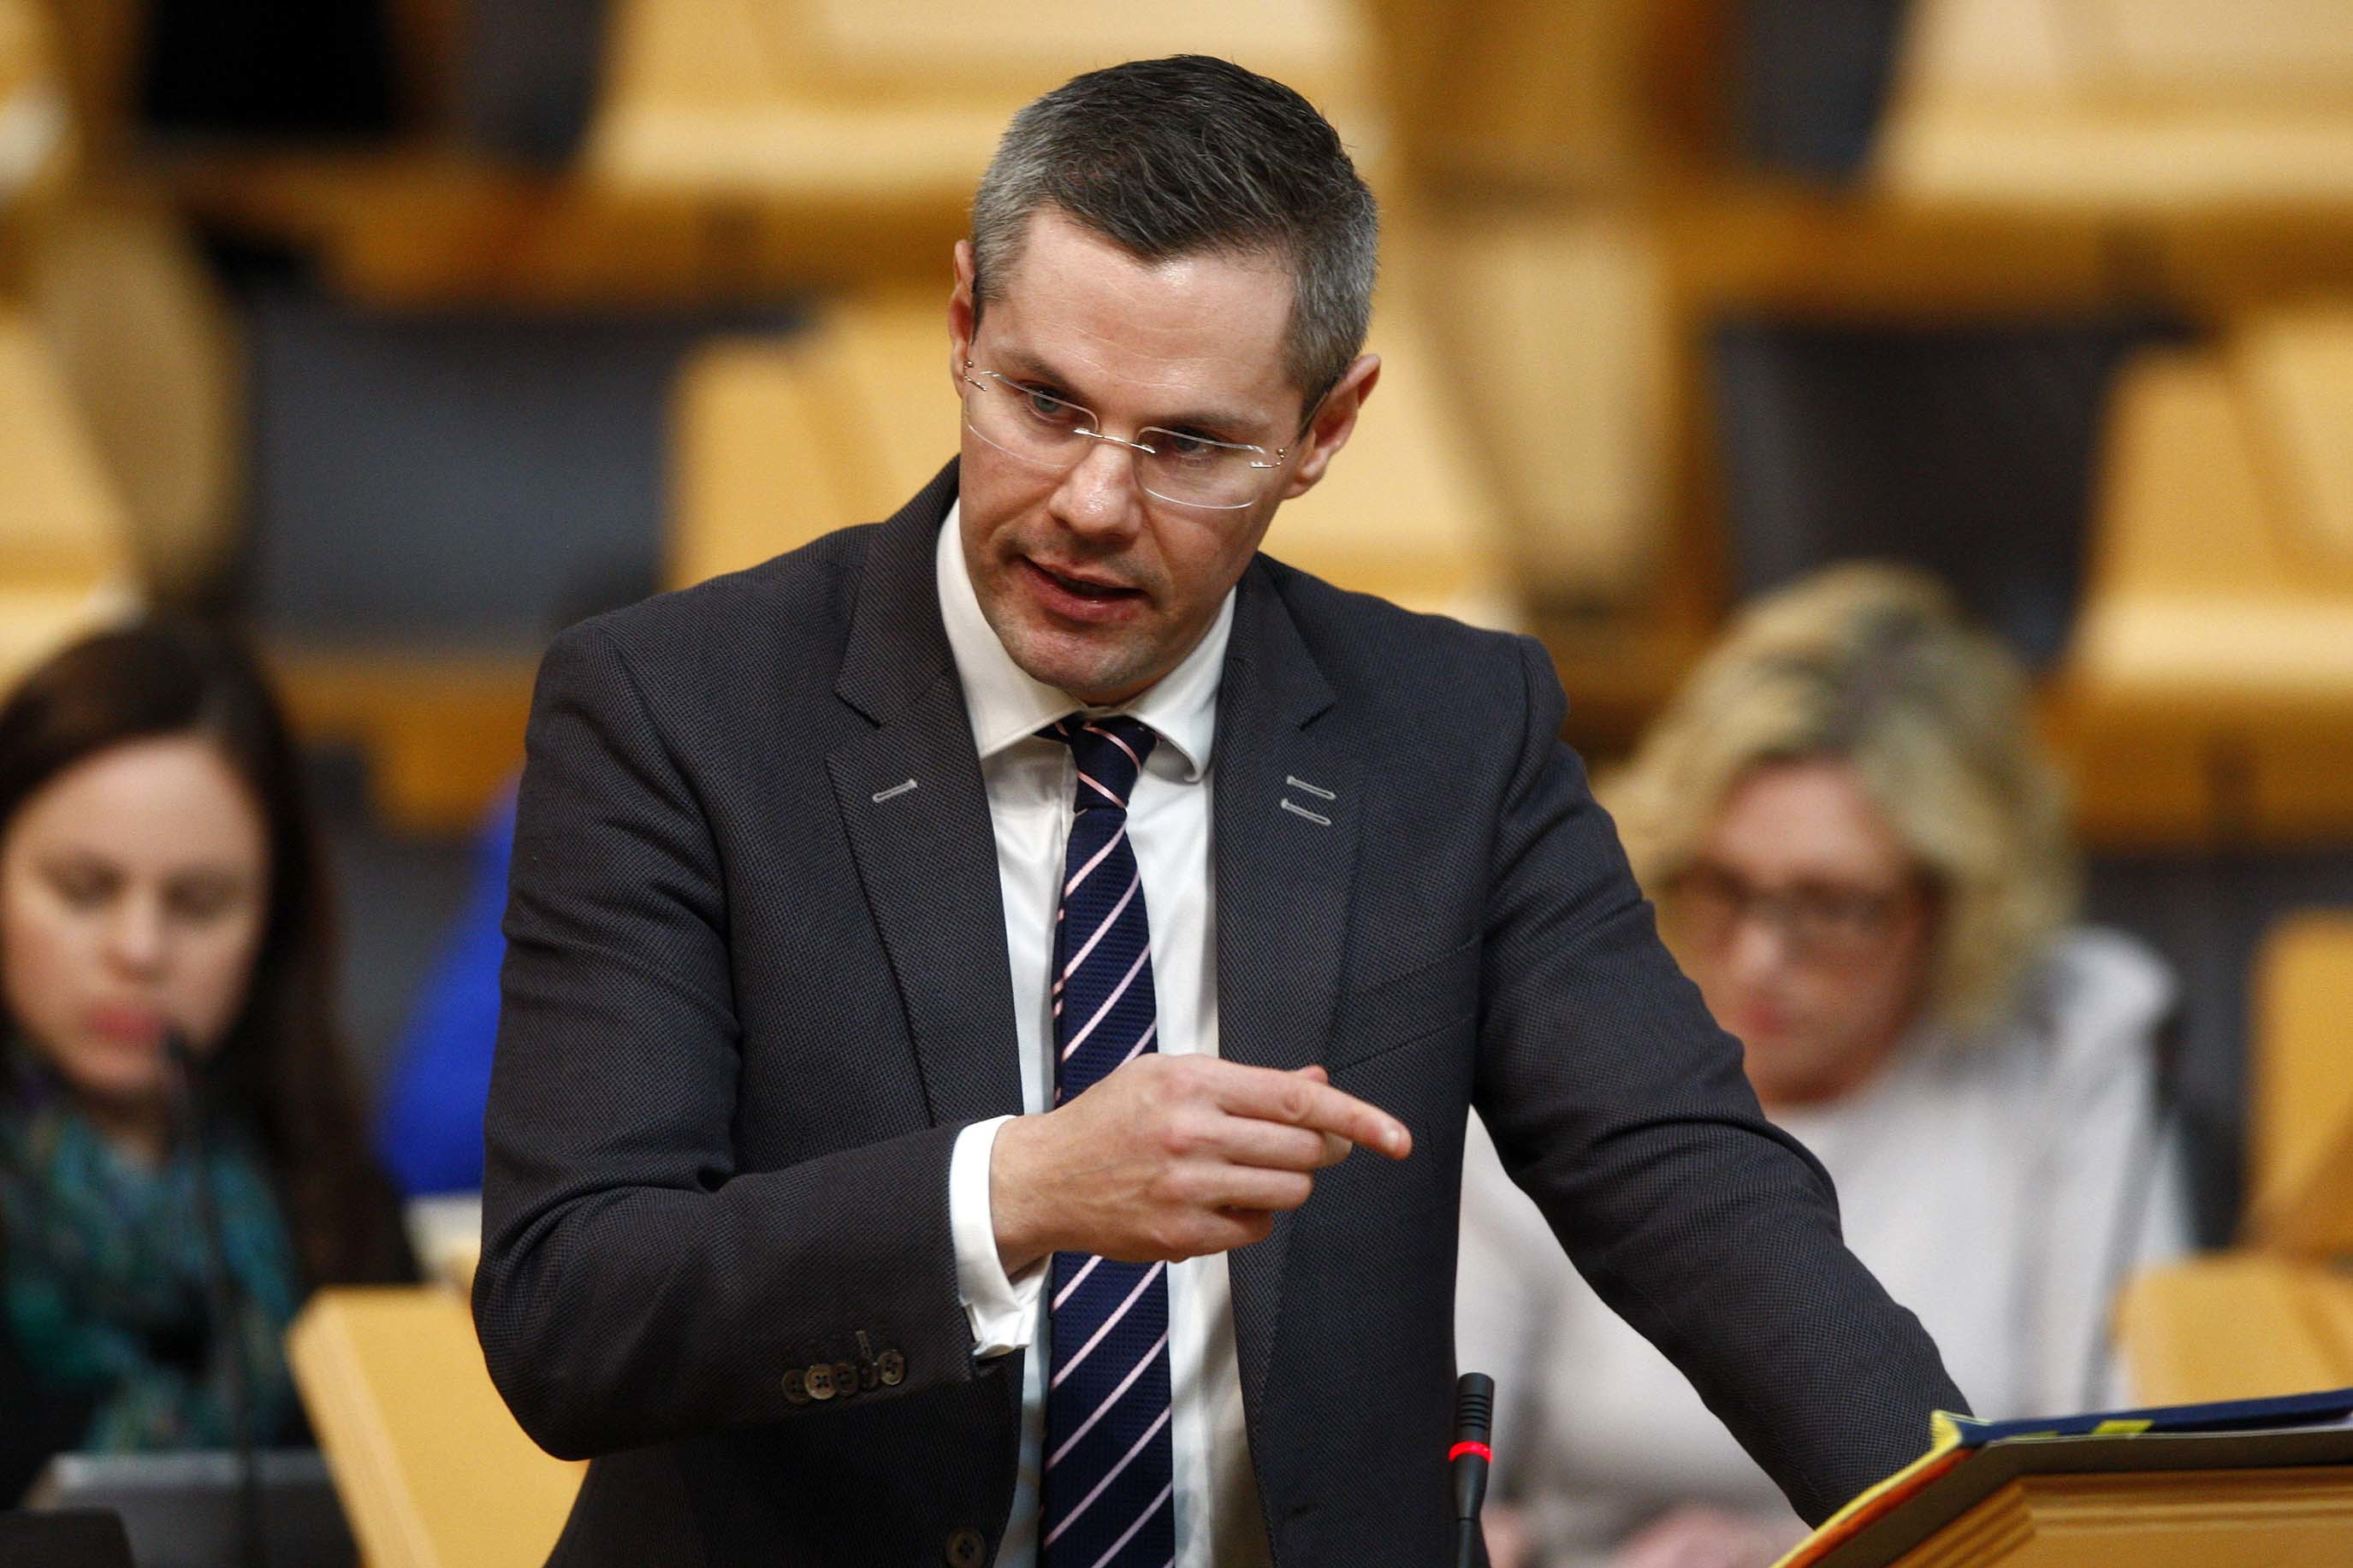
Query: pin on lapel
[[1292, 806], [895, 791]]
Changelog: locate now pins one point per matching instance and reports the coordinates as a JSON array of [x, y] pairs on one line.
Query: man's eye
[[1050, 409]]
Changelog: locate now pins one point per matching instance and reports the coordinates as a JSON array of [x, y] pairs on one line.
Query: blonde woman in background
[[1860, 856]]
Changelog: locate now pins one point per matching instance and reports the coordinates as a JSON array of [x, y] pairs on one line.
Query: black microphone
[[1474, 1410], [181, 1073]]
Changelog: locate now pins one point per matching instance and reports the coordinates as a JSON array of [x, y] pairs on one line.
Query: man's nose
[[1100, 496]]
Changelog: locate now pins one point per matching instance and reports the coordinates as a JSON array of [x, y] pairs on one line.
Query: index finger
[[1270, 1096]]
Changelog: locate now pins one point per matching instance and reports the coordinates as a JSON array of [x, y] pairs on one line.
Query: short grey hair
[[1178, 156]]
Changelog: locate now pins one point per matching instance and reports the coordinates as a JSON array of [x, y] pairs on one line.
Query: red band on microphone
[[1460, 1449]]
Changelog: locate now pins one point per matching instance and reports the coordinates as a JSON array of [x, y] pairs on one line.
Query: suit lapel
[[1287, 809], [926, 854]]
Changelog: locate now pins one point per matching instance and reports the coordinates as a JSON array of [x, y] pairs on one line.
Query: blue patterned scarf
[[104, 1273]]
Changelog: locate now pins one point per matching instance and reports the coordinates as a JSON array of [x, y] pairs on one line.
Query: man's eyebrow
[[1028, 366], [1220, 422]]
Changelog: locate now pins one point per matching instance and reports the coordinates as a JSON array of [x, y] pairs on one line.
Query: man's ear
[[961, 316], [1335, 422]]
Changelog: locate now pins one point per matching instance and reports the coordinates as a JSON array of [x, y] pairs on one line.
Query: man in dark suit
[[950, 966]]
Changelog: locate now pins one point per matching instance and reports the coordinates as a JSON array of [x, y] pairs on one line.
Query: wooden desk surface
[[2298, 1518]]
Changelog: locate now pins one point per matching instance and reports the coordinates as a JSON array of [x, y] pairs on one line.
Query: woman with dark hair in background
[[161, 887]]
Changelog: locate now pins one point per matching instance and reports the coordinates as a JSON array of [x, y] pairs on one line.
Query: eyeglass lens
[[1054, 433], [1822, 919]]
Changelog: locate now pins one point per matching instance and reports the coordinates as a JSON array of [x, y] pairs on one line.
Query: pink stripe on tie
[[1115, 739], [1148, 1434], [1064, 1293], [1109, 1323], [1141, 1520], [1109, 1003], [1086, 778], [1109, 1399], [1073, 885], [1102, 931], [1137, 1049]]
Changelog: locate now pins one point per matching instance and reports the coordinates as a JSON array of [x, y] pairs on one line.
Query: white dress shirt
[[1030, 783]]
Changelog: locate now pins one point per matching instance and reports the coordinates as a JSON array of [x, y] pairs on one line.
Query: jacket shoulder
[[1379, 653], [777, 615]]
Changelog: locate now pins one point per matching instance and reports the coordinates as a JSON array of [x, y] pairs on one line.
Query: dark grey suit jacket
[[751, 998]]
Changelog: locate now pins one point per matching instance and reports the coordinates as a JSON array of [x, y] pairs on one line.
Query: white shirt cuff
[[1003, 1311]]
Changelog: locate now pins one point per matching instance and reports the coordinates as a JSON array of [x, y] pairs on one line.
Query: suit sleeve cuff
[[1003, 1311]]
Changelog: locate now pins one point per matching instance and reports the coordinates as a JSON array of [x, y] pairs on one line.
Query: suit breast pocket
[[1425, 1000]]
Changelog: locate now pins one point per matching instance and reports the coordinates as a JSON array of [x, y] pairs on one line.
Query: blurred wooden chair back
[[2147, 106], [432, 1471], [2300, 1143], [135, 326], [97, 45], [149, 351], [36, 122], [2195, 537], [2207, 695], [2274, 1316], [1560, 351], [834, 103], [2236, 1325], [66, 563], [777, 440], [2296, 368], [1530, 95]]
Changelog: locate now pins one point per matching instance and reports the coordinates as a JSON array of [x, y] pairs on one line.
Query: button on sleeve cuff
[[1003, 1311]]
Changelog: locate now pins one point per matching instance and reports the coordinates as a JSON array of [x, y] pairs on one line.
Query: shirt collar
[[1008, 705]]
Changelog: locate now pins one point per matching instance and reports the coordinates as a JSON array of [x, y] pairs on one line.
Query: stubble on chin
[[1073, 663], [1077, 660]]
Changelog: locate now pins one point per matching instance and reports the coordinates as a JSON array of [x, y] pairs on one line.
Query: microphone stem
[[220, 1289], [1474, 1407]]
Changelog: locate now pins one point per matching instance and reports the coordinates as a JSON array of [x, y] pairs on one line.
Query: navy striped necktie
[[1109, 1477]]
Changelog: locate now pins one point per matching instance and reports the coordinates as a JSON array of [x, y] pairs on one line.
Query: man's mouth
[[1082, 587]]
